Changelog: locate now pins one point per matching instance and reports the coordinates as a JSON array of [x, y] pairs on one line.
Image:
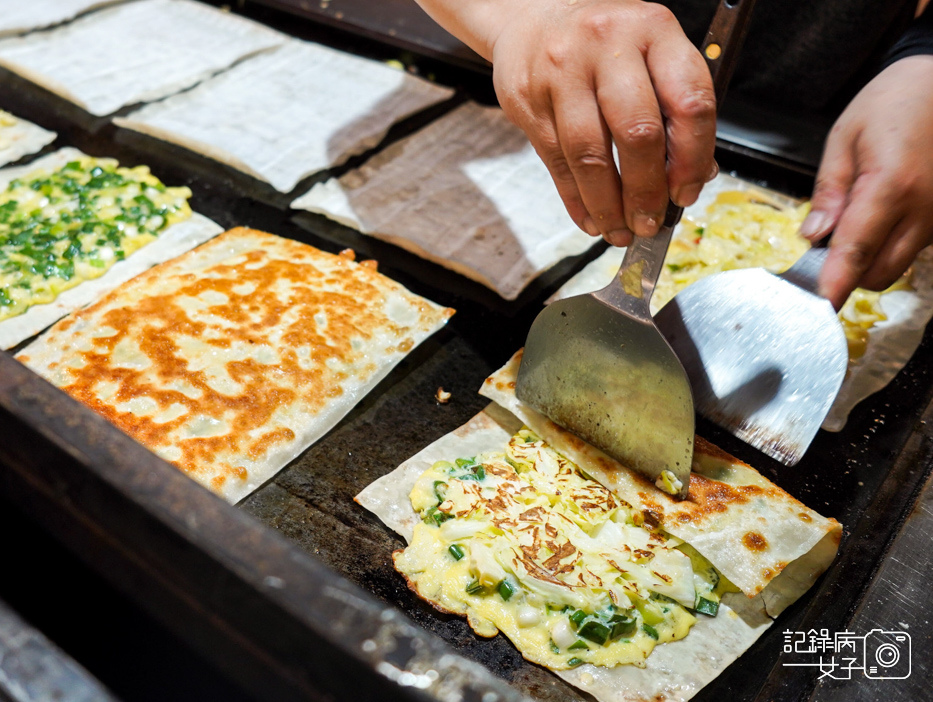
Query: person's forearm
[[474, 22]]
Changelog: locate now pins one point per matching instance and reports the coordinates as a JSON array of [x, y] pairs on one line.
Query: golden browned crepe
[[232, 359]]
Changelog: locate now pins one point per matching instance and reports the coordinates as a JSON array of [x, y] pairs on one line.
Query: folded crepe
[[770, 546]]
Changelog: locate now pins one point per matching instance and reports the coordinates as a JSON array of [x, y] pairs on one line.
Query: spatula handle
[[634, 284], [724, 40], [806, 271]]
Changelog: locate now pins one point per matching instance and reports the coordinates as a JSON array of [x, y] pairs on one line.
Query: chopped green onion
[[579, 643], [436, 516], [595, 631], [554, 647], [705, 606], [574, 662], [650, 630], [578, 617], [464, 462], [475, 588], [505, 589], [622, 625], [456, 551], [439, 492]]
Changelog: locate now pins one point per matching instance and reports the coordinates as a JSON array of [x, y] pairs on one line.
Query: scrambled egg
[[523, 542], [749, 230], [58, 229]]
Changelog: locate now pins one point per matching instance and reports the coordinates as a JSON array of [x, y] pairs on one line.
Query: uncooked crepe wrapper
[[289, 113], [891, 343], [23, 15], [136, 52], [21, 139], [171, 242], [675, 671], [232, 359], [467, 192]]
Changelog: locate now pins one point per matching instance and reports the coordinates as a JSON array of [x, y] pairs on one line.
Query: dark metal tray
[[307, 616]]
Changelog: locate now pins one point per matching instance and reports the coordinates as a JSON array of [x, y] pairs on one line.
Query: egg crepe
[[290, 112], [747, 527], [467, 192], [20, 17], [135, 52], [232, 359], [171, 241], [753, 226], [19, 138]]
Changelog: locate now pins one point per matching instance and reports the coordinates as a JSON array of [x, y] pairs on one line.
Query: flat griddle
[[306, 613]]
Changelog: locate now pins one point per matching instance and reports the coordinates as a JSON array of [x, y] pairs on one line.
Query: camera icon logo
[[886, 655]]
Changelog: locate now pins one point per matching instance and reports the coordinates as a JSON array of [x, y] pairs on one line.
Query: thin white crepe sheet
[[135, 52], [467, 192], [19, 16], [289, 113], [21, 139]]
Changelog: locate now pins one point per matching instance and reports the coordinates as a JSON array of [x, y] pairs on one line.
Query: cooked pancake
[[582, 611], [65, 242], [232, 359]]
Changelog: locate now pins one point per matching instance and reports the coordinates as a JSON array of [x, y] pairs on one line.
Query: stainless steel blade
[[596, 365], [765, 356]]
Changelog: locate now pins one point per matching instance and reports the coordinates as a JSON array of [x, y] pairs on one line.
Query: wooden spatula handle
[[724, 40]]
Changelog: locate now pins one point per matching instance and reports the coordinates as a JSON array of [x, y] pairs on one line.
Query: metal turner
[[597, 365]]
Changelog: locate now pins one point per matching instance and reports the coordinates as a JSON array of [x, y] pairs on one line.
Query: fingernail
[[713, 172], [686, 195], [619, 237], [815, 224], [646, 224], [589, 226]]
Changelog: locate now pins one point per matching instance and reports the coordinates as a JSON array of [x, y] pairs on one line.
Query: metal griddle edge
[[163, 591]]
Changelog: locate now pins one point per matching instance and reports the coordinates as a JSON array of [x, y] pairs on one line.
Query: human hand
[[577, 76], [875, 182]]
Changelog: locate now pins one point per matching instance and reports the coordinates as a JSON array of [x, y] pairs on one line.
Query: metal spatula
[[765, 354], [597, 365]]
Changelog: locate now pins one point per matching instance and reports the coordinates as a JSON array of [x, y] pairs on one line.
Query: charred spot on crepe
[[754, 541]]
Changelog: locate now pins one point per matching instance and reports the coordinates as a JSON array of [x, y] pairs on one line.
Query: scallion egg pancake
[[581, 562], [68, 236]]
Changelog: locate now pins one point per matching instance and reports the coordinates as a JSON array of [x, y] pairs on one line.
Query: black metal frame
[[279, 622], [212, 573]]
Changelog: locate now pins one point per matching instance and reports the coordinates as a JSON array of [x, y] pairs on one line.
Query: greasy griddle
[[865, 476]]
